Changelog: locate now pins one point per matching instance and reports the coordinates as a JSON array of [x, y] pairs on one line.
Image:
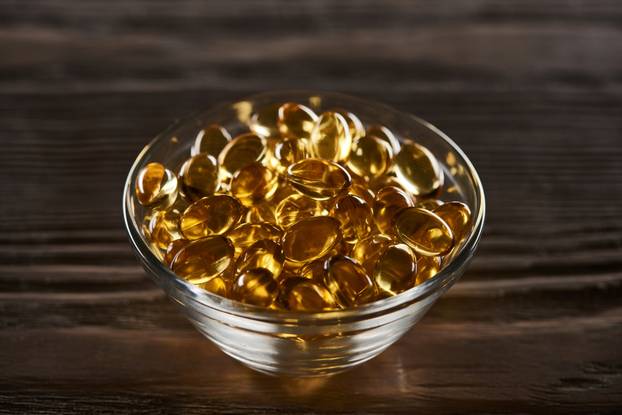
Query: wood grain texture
[[531, 90]]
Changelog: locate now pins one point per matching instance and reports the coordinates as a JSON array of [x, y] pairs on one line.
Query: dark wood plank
[[532, 90]]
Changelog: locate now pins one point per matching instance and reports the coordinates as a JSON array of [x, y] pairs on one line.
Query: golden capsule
[[383, 133], [418, 170], [360, 188], [261, 212], [262, 254], [428, 204], [301, 294], [295, 120], [355, 216], [213, 215], [389, 201], [370, 157], [390, 180], [294, 208], [396, 269], [367, 251], [247, 234], [348, 282], [423, 231], [173, 248], [427, 267], [256, 286], [310, 238], [156, 185], [319, 179], [363, 192], [210, 140], [285, 190], [314, 270], [330, 138], [355, 126], [217, 285], [288, 151], [254, 183], [201, 260], [144, 226], [264, 121], [164, 224], [458, 216], [243, 150], [199, 176]]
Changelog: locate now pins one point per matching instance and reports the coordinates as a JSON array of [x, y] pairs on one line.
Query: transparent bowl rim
[[200, 297]]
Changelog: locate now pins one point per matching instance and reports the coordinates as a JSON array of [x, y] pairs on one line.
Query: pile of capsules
[[302, 212]]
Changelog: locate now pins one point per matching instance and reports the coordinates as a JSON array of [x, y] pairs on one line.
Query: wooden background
[[531, 90]]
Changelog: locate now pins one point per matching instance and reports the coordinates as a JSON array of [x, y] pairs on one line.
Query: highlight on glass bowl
[[303, 233]]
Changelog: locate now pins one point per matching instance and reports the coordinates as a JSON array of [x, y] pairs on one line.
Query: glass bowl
[[294, 343]]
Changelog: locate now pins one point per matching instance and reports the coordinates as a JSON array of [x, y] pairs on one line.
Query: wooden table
[[531, 90]]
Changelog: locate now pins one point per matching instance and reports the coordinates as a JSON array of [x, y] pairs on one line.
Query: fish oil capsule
[[173, 248], [164, 224], [217, 285], [367, 251], [370, 157], [314, 270], [295, 120], [458, 216], [264, 121], [355, 126], [360, 188], [156, 185], [201, 260], [423, 231], [243, 150], [310, 238], [348, 282], [247, 234], [396, 270], [418, 170], [261, 212], [356, 217], [318, 179], [389, 180], [285, 189], [254, 183], [210, 140], [262, 254], [428, 204], [144, 226], [363, 192], [330, 137], [288, 151], [256, 286], [302, 294], [296, 207], [199, 176], [213, 215], [383, 133], [427, 267], [389, 201]]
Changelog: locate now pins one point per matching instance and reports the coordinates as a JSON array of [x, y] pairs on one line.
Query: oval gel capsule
[[423, 231], [319, 179], [418, 170], [213, 215], [330, 137], [201, 260], [311, 238]]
